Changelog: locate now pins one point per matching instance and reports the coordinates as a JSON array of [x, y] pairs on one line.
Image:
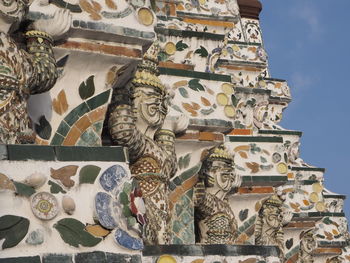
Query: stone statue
[[25, 72], [215, 219], [137, 120], [307, 245], [269, 223]]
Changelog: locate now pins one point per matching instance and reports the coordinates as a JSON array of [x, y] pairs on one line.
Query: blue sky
[[308, 45]]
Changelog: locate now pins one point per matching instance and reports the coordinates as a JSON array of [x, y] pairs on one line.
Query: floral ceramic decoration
[[44, 206]]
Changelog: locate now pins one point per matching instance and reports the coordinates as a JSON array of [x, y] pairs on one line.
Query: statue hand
[[56, 26], [287, 217], [179, 124]]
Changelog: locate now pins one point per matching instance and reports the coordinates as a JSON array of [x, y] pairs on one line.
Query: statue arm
[[122, 125], [41, 62], [165, 138], [205, 202], [41, 69]]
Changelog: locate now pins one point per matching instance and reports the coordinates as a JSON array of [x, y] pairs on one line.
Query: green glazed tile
[[98, 100], [30, 152], [63, 129], [76, 113], [57, 139]]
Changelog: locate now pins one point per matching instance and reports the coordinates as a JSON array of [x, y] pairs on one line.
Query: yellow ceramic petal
[[262, 83], [202, 2], [97, 230], [235, 48], [230, 111], [282, 168], [227, 88], [320, 207], [314, 197], [145, 16], [166, 259], [170, 48], [222, 99], [317, 187]]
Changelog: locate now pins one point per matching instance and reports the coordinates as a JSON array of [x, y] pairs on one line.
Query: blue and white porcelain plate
[[124, 239], [112, 177], [104, 210]]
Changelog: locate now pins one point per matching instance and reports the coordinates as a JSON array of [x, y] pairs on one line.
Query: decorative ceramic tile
[[112, 177], [124, 239], [103, 208], [44, 205]]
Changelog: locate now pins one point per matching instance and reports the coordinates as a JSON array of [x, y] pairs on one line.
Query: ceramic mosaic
[[158, 135], [252, 30]]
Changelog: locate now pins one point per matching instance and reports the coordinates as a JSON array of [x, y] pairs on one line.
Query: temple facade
[[148, 131]]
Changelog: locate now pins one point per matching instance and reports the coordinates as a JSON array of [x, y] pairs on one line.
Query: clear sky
[[308, 43]]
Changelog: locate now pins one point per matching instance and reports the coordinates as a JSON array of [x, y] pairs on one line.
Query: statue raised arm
[[25, 72]]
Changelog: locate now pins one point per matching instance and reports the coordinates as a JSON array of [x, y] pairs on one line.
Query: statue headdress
[[147, 70], [274, 200], [220, 153]]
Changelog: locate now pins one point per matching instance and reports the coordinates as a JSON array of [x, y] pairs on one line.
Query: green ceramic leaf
[[235, 100], [187, 160], [181, 163], [73, 233], [202, 52], [162, 56], [127, 187], [181, 46], [243, 214], [123, 198], [86, 90], [13, 229], [289, 243], [263, 159], [266, 167], [88, 174], [207, 111], [43, 129], [254, 148], [192, 171], [177, 108], [183, 92], [251, 102], [55, 188], [239, 168], [327, 221], [321, 236], [23, 189], [195, 85], [126, 211]]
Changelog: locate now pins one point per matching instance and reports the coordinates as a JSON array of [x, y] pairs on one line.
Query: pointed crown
[[147, 71], [274, 200], [220, 153]]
